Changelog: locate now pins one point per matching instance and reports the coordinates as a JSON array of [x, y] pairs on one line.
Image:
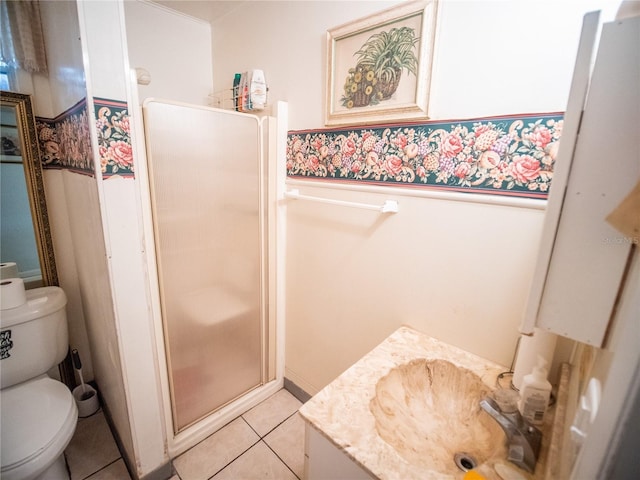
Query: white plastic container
[[535, 393], [86, 400], [258, 90]]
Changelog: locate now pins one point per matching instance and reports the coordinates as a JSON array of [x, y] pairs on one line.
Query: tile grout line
[[269, 446], [242, 453], [210, 435], [260, 438], [102, 468], [234, 459], [175, 471], [226, 465], [287, 418], [252, 429], [278, 457]]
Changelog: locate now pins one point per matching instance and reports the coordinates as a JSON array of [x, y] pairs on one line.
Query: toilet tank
[[33, 336]]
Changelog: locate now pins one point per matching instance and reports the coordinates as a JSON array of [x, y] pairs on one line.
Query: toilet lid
[[32, 415]]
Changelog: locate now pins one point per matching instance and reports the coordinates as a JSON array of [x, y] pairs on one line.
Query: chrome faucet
[[523, 439]]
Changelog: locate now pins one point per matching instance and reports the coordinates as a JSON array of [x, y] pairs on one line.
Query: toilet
[[39, 414]]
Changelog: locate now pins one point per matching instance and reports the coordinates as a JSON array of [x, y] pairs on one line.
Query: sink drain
[[464, 461]]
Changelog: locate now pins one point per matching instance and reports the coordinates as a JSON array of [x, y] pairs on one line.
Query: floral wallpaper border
[[65, 141], [114, 137], [509, 155]]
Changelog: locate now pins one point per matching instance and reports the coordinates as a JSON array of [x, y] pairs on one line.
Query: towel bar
[[389, 206]]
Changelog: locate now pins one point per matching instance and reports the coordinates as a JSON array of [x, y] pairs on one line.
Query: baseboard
[[296, 391], [163, 472], [116, 436]]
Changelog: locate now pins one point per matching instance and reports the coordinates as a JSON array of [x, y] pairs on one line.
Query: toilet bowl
[[38, 414], [38, 420]]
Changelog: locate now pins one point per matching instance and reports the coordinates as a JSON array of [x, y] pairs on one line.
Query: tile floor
[[266, 442]]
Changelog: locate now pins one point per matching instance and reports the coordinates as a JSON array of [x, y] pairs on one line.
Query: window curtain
[[22, 37]]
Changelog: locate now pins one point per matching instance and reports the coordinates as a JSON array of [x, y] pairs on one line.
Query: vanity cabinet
[[583, 259], [324, 461]]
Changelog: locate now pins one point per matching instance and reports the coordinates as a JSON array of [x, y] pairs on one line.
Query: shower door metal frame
[[266, 373]]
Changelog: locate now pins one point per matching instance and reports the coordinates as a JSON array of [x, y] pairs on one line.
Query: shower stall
[[211, 176]]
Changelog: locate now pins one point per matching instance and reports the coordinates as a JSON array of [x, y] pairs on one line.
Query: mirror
[[24, 223]]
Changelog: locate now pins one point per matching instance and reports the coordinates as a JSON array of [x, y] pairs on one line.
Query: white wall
[[498, 57], [64, 54], [174, 48], [65, 86], [122, 334], [286, 39], [455, 270], [491, 57], [176, 51]]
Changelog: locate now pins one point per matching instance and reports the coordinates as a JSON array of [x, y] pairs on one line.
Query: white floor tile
[[91, 448], [257, 463], [115, 471], [287, 440], [93, 454], [267, 415], [216, 451]]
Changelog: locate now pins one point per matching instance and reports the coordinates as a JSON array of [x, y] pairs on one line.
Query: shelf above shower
[[226, 100]]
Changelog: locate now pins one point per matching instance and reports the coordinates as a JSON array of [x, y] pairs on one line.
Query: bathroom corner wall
[[455, 267], [73, 204], [179, 62], [64, 89], [121, 334]]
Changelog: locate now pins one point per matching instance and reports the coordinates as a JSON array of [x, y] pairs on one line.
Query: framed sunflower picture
[[379, 67]]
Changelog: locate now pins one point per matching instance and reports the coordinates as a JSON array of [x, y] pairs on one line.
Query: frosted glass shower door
[[207, 199]]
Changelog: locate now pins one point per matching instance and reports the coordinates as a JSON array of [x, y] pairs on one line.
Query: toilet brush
[[78, 366]]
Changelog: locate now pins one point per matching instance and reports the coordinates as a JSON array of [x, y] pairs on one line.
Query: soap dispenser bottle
[[258, 90], [535, 393]]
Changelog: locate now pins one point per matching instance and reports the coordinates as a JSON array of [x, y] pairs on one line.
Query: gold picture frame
[[27, 143], [379, 67]]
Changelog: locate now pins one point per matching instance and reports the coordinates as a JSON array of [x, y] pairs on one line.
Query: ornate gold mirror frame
[[33, 175]]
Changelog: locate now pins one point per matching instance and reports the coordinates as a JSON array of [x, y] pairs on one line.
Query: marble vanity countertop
[[341, 410]]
